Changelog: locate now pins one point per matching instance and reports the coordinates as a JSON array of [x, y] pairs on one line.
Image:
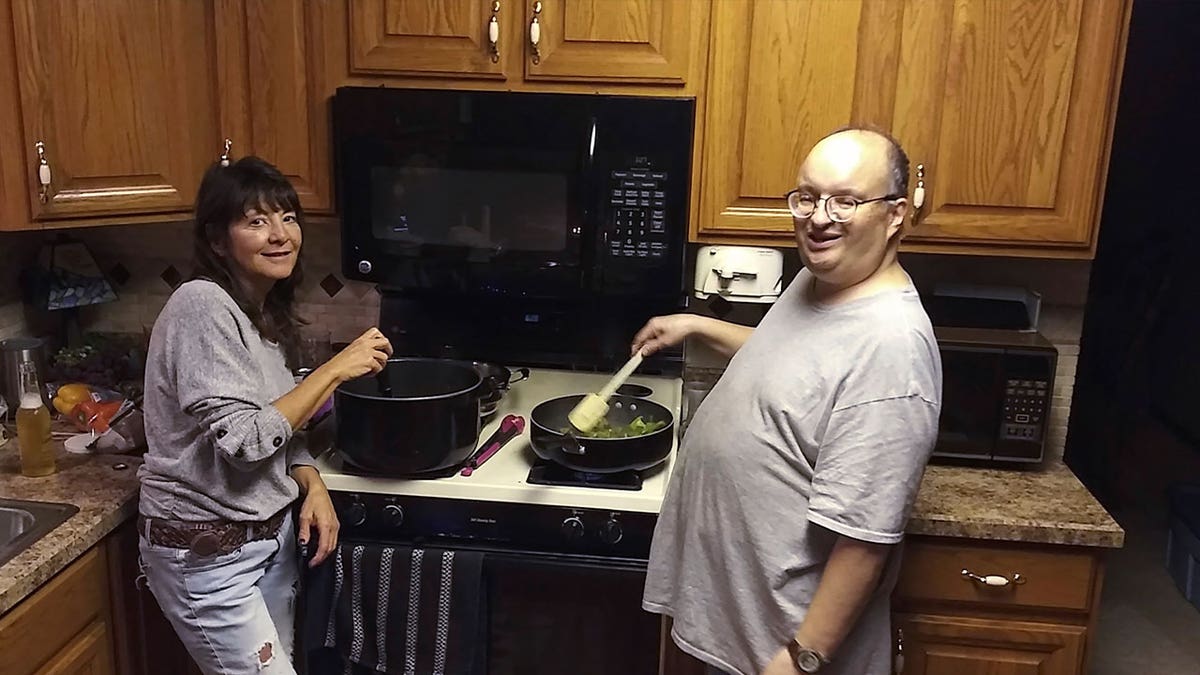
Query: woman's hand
[[316, 513], [368, 354], [781, 665], [662, 332]]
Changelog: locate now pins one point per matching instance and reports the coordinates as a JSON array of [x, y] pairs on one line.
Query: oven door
[[550, 614], [472, 192]]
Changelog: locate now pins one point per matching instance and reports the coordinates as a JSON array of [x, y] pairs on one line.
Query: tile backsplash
[[15, 249], [146, 262]]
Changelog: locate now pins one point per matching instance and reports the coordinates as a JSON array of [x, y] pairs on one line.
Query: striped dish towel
[[397, 610]]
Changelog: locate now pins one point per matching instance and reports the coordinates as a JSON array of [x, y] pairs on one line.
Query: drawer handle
[[997, 580], [494, 32]]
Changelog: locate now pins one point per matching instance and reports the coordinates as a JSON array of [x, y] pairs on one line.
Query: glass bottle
[[33, 426]]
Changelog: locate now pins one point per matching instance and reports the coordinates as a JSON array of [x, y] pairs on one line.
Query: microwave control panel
[[1026, 403], [637, 224]]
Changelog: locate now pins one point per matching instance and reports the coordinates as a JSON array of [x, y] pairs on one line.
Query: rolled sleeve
[[870, 465], [221, 386]]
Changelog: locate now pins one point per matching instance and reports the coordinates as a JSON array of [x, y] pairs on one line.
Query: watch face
[[808, 661]]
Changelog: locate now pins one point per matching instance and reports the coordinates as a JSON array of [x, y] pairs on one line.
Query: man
[[776, 548]]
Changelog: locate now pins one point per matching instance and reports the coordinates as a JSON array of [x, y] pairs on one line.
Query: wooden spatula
[[587, 413]]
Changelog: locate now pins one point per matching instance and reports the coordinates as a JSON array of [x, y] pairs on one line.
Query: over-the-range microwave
[[996, 394]]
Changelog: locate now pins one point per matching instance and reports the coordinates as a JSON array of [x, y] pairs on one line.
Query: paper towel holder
[[751, 274]]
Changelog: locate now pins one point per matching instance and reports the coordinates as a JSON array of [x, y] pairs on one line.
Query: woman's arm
[[367, 354]]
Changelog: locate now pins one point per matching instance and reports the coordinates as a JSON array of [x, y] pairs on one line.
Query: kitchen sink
[[24, 522]]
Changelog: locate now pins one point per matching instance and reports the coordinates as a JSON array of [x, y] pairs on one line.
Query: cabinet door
[[1009, 106], [120, 94], [782, 74], [273, 99], [90, 653], [430, 37], [946, 645], [645, 41]]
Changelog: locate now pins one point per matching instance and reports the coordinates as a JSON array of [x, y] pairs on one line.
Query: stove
[[500, 506]]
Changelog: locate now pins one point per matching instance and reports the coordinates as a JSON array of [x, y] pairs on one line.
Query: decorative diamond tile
[[331, 285], [119, 274], [720, 307], [171, 277]]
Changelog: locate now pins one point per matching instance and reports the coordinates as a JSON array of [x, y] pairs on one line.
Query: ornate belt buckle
[[205, 543]]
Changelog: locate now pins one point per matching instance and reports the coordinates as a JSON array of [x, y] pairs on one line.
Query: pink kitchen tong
[[510, 428]]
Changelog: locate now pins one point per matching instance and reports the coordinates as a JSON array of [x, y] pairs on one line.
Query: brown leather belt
[[206, 538]]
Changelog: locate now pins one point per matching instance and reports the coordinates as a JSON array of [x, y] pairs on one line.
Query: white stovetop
[[502, 478]]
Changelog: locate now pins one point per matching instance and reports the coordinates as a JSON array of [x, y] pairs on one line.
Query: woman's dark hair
[[225, 195]]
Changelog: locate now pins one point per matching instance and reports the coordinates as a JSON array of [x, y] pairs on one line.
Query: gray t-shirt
[[218, 449], [822, 424]]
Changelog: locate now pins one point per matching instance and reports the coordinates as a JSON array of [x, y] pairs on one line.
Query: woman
[[217, 545]]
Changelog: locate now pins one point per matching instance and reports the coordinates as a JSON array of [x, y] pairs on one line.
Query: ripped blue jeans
[[235, 612]]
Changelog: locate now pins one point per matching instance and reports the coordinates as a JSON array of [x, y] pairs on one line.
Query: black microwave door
[[460, 191], [971, 404]]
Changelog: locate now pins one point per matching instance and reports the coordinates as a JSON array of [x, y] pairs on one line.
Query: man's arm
[[665, 331], [850, 579]]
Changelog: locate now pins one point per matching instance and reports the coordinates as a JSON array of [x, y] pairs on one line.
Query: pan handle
[[572, 446], [522, 374]]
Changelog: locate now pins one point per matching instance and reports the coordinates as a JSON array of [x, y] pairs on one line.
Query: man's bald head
[[894, 168]]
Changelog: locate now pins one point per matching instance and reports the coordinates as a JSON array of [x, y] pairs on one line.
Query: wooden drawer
[[64, 623], [932, 572]]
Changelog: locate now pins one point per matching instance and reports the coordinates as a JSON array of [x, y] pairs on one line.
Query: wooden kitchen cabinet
[[272, 93], [644, 41], [953, 645], [119, 96], [65, 627], [448, 38], [1038, 623], [608, 42], [1009, 106]]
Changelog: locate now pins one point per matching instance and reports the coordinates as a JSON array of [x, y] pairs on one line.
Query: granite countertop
[[106, 497], [1045, 505]]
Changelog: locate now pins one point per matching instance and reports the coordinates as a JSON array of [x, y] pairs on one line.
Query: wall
[[15, 249], [146, 262]]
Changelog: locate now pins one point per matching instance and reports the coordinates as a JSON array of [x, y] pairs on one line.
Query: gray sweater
[[218, 449]]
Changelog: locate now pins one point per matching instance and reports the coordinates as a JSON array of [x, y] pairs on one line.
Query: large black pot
[[429, 422], [602, 455]]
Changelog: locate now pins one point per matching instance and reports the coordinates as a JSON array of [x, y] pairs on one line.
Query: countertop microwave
[[997, 386]]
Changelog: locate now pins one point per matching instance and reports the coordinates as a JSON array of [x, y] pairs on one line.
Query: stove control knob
[[394, 515], [611, 531], [572, 528], [356, 514], [364, 267]]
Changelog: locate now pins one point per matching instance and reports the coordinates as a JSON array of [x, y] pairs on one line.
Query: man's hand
[[781, 665]]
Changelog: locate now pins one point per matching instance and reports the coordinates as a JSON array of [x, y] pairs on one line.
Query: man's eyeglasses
[[839, 208]]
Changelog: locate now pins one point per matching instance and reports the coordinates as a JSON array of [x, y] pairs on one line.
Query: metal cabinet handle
[[43, 172], [898, 661], [919, 193], [494, 32], [535, 32], [998, 580], [225, 154]]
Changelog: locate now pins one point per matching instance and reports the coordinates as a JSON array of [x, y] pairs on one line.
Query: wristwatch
[[806, 660]]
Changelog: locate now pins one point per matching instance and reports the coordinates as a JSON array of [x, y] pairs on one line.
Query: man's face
[[854, 164]]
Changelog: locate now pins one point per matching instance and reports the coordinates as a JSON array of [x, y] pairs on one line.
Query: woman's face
[[263, 246]]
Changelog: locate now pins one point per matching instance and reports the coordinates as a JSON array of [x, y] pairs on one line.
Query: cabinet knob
[[494, 32], [225, 153], [43, 172], [535, 32], [919, 192], [997, 580]]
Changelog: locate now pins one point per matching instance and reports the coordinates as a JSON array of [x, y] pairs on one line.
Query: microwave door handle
[[591, 153]]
